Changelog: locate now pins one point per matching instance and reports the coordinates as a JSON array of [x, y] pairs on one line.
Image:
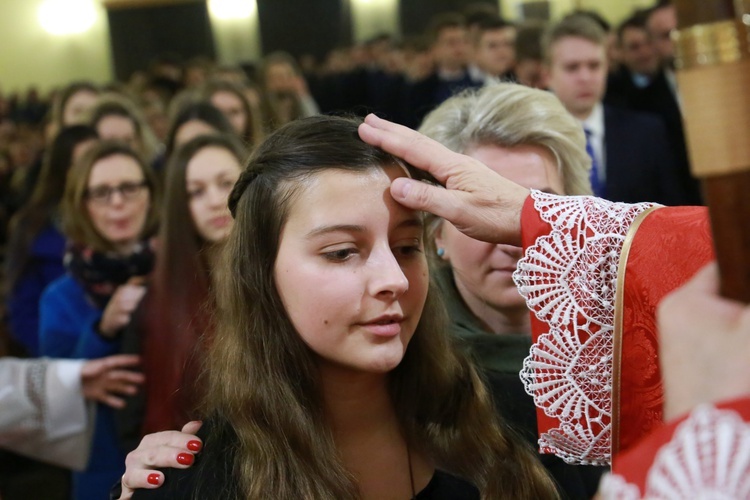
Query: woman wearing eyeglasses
[[109, 211]]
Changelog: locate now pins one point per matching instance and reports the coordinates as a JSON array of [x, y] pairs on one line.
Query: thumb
[[419, 195], [137, 280], [192, 427]]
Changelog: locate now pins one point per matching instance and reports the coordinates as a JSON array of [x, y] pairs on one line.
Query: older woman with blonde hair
[[526, 136]]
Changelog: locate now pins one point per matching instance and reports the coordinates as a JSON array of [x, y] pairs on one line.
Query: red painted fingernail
[[185, 458], [154, 479], [194, 445]]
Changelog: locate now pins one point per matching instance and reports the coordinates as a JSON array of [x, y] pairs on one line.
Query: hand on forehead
[[479, 202]]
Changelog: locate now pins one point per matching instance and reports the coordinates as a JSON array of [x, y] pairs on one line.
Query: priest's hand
[[106, 380], [479, 202], [704, 345]]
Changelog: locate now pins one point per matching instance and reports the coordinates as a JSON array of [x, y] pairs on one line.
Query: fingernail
[[402, 188], [154, 479], [185, 458], [194, 445]]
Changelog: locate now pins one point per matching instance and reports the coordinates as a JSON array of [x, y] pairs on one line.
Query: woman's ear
[[440, 248]]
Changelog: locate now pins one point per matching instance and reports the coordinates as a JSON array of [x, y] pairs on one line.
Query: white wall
[[372, 17], [237, 40], [30, 56]]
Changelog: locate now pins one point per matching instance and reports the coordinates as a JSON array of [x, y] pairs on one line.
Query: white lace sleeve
[[707, 457], [568, 279]]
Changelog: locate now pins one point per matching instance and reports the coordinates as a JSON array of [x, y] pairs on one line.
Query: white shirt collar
[[595, 122]]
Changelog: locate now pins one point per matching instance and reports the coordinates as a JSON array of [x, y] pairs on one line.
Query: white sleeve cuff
[[66, 409]]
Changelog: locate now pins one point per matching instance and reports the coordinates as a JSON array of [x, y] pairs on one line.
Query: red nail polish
[[194, 445], [153, 479], [185, 458]]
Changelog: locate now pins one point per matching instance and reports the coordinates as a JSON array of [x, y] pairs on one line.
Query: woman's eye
[[409, 249], [340, 255], [195, 193]]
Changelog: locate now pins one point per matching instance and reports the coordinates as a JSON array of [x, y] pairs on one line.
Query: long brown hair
[[44, 203], [264, 380], [180, 303]]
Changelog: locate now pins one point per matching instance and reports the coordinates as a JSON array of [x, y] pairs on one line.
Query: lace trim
[[569, 279], [708, 457], [35, 391], [615, 487]]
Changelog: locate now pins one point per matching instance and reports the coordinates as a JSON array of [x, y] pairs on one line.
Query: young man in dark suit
[[450, 53], [646, 83], [631, 156]]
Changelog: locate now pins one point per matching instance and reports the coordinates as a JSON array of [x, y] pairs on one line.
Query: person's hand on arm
[[476, 200], [121, 306], [162, 449], [106, 379], [704, 345]]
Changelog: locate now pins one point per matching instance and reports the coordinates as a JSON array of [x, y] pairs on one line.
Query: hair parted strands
[[77, 224], [263, 380], [508, 115]]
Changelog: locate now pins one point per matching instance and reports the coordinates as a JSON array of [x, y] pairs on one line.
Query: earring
[[440, 252]]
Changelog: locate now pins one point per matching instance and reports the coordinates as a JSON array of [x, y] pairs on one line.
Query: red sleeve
[[708, 450], [592, 274]]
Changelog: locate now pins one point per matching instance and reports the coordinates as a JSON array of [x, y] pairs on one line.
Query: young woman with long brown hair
[[332, 373], [178, 308]]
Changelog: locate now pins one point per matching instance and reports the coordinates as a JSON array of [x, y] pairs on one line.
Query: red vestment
[[593, 273]]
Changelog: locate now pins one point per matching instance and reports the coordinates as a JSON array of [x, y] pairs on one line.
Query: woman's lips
[[220, 222], [384, 327]]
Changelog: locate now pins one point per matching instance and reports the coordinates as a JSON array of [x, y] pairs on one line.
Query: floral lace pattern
[[569, 280], [615, 487], [707, 457]]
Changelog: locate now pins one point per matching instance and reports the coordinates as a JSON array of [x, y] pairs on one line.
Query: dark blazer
[[639, 161], [419, 98], [657, 98]]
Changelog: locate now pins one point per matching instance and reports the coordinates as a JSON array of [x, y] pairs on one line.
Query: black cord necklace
[[411, 473]]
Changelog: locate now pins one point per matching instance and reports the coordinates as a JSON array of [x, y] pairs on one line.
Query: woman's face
[[351, 270], [119, 217], [118, 128], [280, 78], [190, 130], [209, 178], [76, 107], [483, 271], [232, 108]]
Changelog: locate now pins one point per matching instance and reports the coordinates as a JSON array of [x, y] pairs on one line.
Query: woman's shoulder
[[49, 242], [446, 486], [64, 286]]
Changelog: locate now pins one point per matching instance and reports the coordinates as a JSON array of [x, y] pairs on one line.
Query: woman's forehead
[[343, 193]]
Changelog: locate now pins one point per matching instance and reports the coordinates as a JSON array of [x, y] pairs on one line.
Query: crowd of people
[[275, 296]]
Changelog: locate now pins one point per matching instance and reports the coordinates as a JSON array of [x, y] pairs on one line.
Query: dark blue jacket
[[45, 265], [67, 323]]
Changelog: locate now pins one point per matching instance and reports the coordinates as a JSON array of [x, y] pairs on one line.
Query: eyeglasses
[[102, 195]]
